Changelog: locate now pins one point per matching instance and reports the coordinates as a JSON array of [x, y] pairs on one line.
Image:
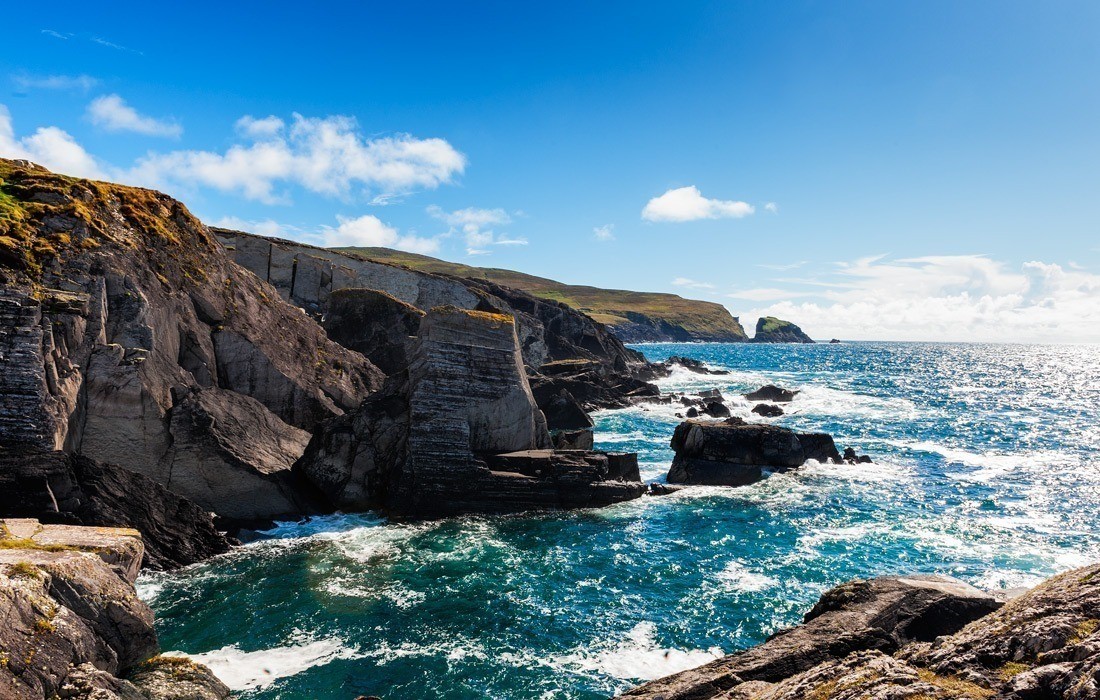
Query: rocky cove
[[194, 384]]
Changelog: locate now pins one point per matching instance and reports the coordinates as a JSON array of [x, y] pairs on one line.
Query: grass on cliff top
[[608, 306], [772, 324]]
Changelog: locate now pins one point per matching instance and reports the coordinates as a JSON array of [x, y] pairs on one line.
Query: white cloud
[[772, 207], [474, 225], [688, 204], [959, 297], [262, 227], [370, 231], [55, 82], [765, 294], [326, 155], [605, 232], [47, 146], [693, 284], [783, 266], [111, 112]]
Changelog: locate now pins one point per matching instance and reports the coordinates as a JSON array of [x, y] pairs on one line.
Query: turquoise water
[[987, 467]]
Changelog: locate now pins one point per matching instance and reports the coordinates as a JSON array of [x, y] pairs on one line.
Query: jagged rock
[[59, 488], [562, 411], [770, 329], [593, 384], [573, 439], [176, 678], [767, 410], [692, 365], [430, 442], [711, 395], [851, 457], [732, 452], [881, 615], [834, 341], [771, 392], [72, 621], [716, 409], [119, 304], [374, 324]]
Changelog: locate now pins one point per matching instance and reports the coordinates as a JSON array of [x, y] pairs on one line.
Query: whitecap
[[244, 670], [637, 657], [738, 577]]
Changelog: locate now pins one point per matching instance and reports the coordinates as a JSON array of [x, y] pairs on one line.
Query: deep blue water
[[987, 467]]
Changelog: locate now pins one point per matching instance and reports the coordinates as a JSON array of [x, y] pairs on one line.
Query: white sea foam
[[637, 657], [739, 577], [244, 670]]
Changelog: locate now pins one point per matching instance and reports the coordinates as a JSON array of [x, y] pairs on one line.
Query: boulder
[[881, 615], [771, 392], [73, 624], [562, 411], [770, 329], [732, 452], [693, 365], [767, 410], [716, 409], [573, 439], [55, 487], [459, 432]]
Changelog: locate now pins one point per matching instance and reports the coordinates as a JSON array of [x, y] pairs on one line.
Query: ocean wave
[[246, 670], [738, 577], [637, 657]]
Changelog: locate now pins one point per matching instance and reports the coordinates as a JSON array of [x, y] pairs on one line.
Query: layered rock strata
[[73, 624], [917, 637], [127, 335], [430, 443]]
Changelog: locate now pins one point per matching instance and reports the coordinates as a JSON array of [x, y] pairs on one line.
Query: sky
[[908, 170]]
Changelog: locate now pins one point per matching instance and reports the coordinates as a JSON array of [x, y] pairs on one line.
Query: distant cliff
[[633, 317], [770, 329]]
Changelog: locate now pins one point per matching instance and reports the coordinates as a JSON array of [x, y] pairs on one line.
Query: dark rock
[[770, 392], [711, 395], [851, 457], [770, 329], [716, 409], [663, 489], [692, 412], [459, 432], [767, 410], [834, 341], [374, 324], [58, 488], [883, 615], [732, 452], [593, 384], [573, 439], [562, 411]]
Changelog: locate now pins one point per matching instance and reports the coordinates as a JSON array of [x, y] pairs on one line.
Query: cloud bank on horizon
[[947, 297]]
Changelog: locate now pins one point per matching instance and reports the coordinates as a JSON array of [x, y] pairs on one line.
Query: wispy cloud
[[771, 207], [782, 266], [262, 227], [605, 232], [82, 83], [689, 204], [111, 113], [56, 34], [90, 37], [477, 227], [765, 294], [693, 284]]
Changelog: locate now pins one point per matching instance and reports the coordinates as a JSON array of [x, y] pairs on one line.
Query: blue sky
[[923, 170]]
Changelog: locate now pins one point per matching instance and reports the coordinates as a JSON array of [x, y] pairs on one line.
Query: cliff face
[[917, 637], [309, 276], [770, 329], [73, 624], [633, 317], [127, 335], [458, 432]]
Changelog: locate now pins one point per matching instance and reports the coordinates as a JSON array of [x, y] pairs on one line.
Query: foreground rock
[[770, 329], [594, 385], [459, 432], [918, 637], [73, 625], [55, 487], [127, 335], [733, 452]]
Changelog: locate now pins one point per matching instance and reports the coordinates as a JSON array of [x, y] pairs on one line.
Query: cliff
[[73, 624], [927, 637], [770, 329], [634, 317], [128, 336]]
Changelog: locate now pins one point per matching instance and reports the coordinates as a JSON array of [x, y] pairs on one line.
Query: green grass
[[608, 306]]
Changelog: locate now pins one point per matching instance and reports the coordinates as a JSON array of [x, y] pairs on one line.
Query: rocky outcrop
[[593, 384], [60, 488], [770, 329], [129, 336], [771, 392], [374, 324], [918, 637], [767, 410], [733, 452], [692, 365], [883, 615], [73, 625], [430, 443]]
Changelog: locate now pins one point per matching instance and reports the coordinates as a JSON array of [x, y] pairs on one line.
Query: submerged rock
[[733, 452], [770, 329], [771, 392], [56, 487], [73, 624], [460, 432], [767, 410]]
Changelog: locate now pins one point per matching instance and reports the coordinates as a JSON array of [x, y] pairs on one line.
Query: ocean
[[986, 467]]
